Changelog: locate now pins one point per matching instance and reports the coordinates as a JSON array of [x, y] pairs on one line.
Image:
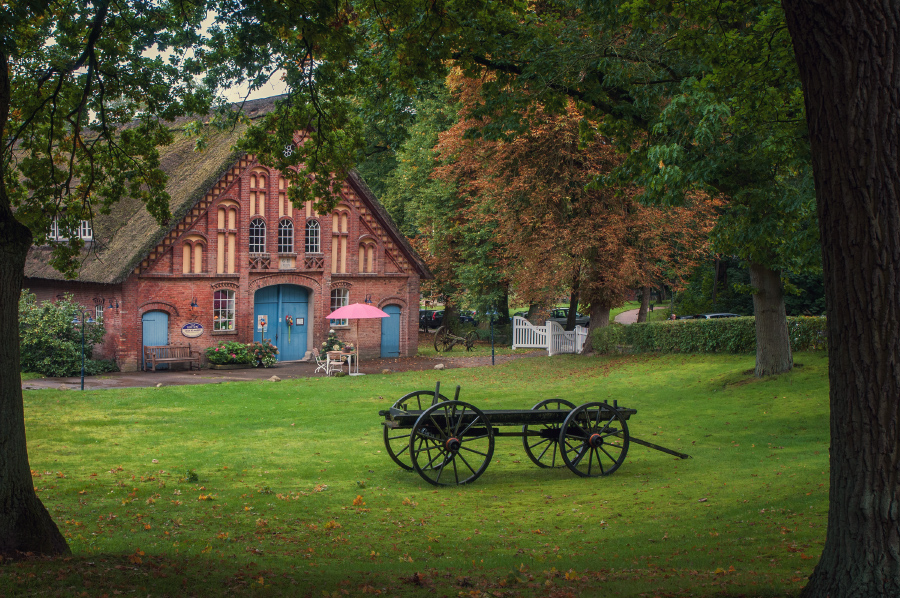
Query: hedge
[[721, 335]]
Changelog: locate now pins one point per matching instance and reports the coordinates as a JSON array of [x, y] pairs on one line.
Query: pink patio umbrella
[[357, 311]]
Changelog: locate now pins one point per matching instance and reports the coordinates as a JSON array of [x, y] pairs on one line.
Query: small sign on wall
[[262, 324], [192, 329], [299, 321]]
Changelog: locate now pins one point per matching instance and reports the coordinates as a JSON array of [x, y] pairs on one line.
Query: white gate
[[581, 334], [528, 336], [551, 337]]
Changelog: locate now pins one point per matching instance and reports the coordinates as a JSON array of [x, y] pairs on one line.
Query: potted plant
[[263, 353], [332, 343]]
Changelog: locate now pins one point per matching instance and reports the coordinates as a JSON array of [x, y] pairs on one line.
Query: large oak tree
[[847, 52]]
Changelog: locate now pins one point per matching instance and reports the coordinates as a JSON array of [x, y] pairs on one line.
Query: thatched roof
[[128, 233]]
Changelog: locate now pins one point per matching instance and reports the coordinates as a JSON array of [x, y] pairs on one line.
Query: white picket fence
[[551, 336]]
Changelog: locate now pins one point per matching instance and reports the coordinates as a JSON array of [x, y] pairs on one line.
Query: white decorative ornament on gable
[[288, 150]]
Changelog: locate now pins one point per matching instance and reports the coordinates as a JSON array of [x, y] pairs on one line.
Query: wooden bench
[[171, 354]]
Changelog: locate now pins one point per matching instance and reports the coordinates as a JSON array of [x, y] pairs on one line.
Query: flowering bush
[[228, 352], [332, 343], [263, 353]]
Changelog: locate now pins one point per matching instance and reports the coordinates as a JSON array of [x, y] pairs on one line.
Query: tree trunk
[[715, 282], [25, 525], [503, 308], [645, 304], [847, 54], [599, 319], [573, 310], [773, 344]]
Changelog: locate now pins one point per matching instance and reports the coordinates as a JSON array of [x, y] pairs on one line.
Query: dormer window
[[84, 231]]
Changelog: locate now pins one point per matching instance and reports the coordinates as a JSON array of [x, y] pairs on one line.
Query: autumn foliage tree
[[556, 230]]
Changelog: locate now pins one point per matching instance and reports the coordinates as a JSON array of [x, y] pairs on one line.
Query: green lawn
[[295, 496]]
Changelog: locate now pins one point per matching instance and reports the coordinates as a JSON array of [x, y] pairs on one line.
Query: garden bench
[[171, 354]]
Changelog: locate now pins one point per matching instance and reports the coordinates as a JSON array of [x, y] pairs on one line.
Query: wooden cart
[[452, 442]]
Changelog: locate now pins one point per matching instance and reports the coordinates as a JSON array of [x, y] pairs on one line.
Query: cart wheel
[[440, 339], [471, 337], [544, 449], [451, 443], [594, 440], [396, 441]]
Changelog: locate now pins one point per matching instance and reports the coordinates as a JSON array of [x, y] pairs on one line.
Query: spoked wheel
[[451, 443], [544, 449], [471, 337], [594, 440], [442, 340], [397, 441]]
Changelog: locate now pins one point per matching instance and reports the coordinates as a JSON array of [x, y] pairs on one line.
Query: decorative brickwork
[[203, 266]]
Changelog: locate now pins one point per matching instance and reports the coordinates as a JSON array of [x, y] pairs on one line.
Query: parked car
[[425, 319], [715, 316], [561, 315], [467, 317]]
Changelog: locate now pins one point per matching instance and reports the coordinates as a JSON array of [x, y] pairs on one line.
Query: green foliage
[[804, 294], [229, 352], [721, 335], [263, 353], [90, 88], [50, 338]]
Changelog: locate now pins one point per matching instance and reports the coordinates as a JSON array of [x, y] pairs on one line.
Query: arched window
[[223, 310], [257, 236], [285, 236], [313, 238], [339, 298], [367, 256]]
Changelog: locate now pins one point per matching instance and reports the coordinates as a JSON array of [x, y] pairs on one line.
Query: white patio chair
[[322, 364]]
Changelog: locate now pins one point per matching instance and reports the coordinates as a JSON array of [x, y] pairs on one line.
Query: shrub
[[609, 338], [50, 340], [263, 353], [228, 352], [722, 335]]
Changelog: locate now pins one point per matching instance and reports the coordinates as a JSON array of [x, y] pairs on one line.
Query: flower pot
[[229, 366]]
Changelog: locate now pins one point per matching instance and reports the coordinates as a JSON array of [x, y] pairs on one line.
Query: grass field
[[285, 489]]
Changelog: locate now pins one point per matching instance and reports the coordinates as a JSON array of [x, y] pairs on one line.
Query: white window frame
[[313, 237], [285, 236], [339, 298], [98, 312], [223, 310], [85, 230], [256, 240]]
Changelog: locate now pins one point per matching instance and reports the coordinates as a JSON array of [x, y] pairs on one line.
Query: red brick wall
[[164, 287]]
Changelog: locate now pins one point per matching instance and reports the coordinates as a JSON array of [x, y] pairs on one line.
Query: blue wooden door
[[390, 332], [155, 327], [294, 302], [277, 302]]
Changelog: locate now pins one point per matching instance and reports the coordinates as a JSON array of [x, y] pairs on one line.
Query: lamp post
[[492, 313], [85, 319]]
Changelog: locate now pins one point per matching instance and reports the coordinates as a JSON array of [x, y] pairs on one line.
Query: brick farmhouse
[[236, 251]]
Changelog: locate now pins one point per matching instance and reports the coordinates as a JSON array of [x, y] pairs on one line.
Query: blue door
[[155, 326], [390, 332], [276, 303]]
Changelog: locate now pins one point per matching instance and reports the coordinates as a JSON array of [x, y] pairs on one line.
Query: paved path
[[285, 371], [627, 317]]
